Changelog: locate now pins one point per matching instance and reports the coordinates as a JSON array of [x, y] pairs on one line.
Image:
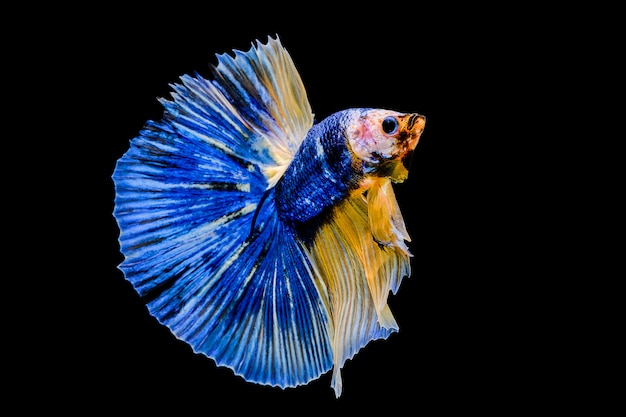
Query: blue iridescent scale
[[320, 175]]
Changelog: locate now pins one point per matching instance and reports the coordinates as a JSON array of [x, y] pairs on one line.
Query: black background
[[473, 335]]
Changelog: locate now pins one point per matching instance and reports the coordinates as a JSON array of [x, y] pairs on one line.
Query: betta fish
[[266, 240]]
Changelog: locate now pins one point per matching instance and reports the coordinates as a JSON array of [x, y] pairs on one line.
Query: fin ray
[[187, 192], [359, 274]]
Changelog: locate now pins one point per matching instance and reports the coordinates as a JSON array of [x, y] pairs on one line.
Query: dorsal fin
[[279, 112]]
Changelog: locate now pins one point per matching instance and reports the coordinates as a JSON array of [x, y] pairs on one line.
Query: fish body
[[336, 157], [266, 241]]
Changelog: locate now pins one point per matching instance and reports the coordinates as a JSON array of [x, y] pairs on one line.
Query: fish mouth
[[413, 126], [416, 121]]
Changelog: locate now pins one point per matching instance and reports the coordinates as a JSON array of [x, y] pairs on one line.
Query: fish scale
[[320, 174]]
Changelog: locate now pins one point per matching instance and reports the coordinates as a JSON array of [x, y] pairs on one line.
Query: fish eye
[[390, 125]]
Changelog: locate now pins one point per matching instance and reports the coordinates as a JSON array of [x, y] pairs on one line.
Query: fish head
[[380, 138]]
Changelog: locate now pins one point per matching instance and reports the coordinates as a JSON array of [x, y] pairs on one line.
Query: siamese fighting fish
[[266, 240]]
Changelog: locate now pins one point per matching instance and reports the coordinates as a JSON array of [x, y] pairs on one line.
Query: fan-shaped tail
[[201, 244]]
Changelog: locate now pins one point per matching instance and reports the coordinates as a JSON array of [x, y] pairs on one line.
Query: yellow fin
[[289, 107], [385, 218], [358, 273], [267, 73]]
